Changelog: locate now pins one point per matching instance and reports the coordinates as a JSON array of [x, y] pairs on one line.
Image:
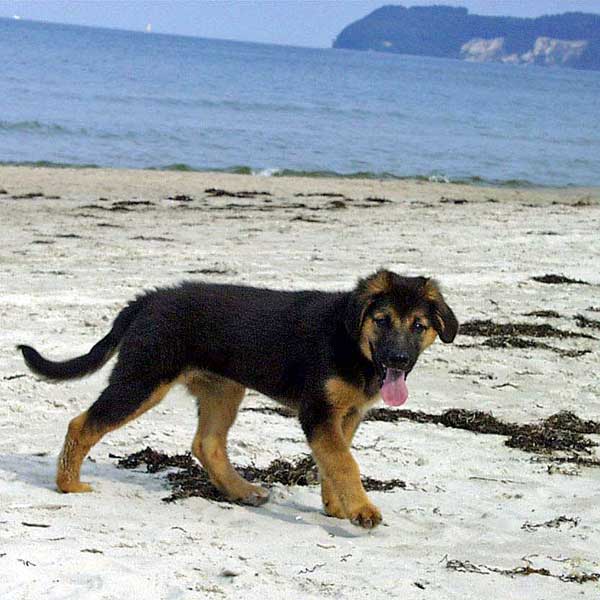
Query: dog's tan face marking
[[419, 324], [373, 327], [385, 323]]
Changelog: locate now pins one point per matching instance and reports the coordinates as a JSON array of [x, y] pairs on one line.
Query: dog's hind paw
[[75, 488]]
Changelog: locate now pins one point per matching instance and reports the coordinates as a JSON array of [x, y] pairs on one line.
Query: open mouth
[[393, 389]]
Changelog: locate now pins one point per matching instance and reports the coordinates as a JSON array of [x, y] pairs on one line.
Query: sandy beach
[[474, 517]]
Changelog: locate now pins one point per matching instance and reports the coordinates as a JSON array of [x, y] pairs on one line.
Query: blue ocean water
[[86, 96]]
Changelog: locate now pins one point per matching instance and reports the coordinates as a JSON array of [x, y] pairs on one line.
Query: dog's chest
[[347, 396]]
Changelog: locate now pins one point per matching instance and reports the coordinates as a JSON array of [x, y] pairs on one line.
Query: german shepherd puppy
[[327, 355]]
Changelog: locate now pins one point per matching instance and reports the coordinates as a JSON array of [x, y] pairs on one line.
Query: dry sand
[[476, 518]]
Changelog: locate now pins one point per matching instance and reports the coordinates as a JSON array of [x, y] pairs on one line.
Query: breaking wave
[[475, 180]]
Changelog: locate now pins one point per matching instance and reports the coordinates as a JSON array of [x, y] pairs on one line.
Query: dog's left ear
[[444, 320]]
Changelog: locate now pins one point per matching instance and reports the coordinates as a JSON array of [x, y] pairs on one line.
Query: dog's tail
[[81, 366]]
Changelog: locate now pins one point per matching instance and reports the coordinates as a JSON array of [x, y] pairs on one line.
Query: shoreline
[[473, 180], [140, 181]]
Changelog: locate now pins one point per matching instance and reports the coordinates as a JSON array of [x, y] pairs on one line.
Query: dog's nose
[[399, 359]]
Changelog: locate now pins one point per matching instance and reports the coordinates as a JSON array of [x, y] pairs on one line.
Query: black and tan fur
[[322, 353]]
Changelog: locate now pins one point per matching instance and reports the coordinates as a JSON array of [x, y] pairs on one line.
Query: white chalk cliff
[[546, 51]]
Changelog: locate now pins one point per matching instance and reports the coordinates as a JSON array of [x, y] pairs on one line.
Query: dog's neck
[[353, 365]]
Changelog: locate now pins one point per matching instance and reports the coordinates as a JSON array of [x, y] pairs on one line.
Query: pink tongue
[[394, 391]]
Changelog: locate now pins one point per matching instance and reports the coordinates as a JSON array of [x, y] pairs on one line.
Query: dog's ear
[[362, 297], [444, 320]]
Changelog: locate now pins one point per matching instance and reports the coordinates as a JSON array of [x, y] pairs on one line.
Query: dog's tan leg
[[87, 429], [331, 502], [337, 466], [78, 441], [218, 403]]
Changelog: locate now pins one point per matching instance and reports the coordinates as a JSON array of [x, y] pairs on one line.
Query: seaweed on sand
[[583, 321], [516, 342], [552, 278], [543, 313], [488, 328], [465, 566], [190, 479], [518, 335], [562, 431], [217, 193]]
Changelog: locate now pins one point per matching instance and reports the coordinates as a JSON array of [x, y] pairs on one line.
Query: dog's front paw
[[367, 516], [255, 496]]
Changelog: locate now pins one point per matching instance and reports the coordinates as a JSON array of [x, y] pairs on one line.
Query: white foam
[[267, 172]]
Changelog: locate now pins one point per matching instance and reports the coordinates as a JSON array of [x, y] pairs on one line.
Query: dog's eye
[[419, 327], [381, 321]]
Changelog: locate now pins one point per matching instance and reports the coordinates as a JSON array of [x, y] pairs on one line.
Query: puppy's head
[[393, 319]]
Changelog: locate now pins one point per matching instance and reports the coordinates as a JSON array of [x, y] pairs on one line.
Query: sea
[[82, 96]]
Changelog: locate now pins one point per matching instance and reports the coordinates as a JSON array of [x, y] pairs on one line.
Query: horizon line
[[142, 31]]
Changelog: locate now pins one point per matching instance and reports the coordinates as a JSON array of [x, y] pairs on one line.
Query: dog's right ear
[[362, 297], [445, 321]]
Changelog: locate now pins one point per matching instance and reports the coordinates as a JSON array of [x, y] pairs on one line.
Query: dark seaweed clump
[[543, 313], [155, 461], [211, 271], [488, 328], [562, 431], [543, 439], [465, 566], [219, 193], [516, 342], [552, 523], [552, 278], [180, 198], [583, 321], [192, 480], [518, 335]]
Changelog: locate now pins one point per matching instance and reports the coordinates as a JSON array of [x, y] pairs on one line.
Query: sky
[[312, 23]]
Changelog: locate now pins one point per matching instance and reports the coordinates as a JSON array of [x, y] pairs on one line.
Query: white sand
[[468, 495]]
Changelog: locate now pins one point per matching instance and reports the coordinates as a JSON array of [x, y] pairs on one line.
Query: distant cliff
[[567, 40]]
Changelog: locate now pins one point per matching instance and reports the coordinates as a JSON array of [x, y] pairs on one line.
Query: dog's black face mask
[[395, 342], [399, 317]]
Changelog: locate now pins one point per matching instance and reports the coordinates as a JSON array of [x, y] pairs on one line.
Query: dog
[[327, 355]]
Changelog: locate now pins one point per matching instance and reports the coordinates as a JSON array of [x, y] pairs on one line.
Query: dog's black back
[[275, 342]]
